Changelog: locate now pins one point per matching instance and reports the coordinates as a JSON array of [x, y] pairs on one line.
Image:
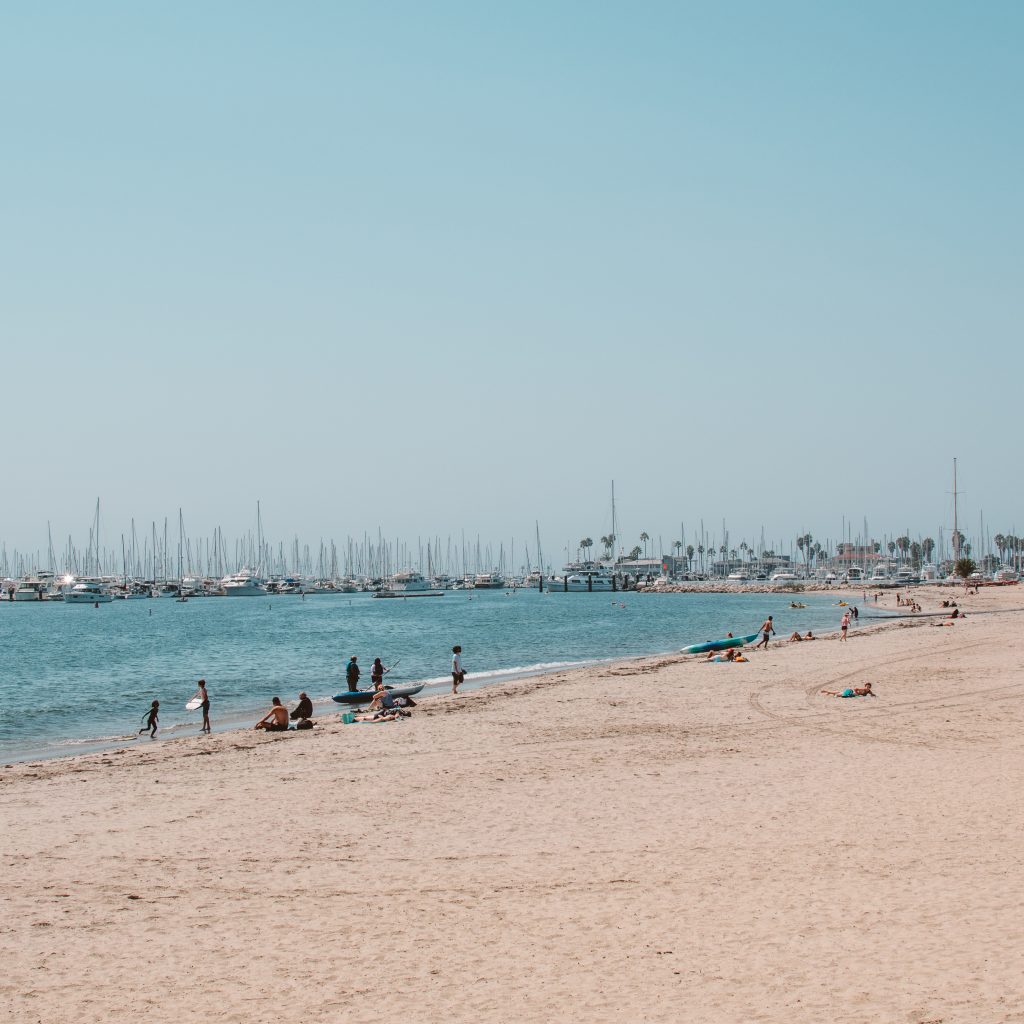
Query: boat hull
[[719, 645], [365, 696]]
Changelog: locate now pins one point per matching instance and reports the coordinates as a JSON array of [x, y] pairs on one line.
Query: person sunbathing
[[796, 637], [810, 636], [730, 655], [276, 719], [857, 691]]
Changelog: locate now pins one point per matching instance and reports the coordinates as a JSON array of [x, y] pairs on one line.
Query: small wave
[[513, 672]]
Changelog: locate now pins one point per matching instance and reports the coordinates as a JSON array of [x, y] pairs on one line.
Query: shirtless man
[[766, 629], [276, 719]]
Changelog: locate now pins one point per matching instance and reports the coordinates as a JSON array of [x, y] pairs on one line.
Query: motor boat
[[88, 592], [582, 581], [243, 584], [488, 581]]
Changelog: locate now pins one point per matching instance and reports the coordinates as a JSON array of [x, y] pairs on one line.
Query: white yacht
[[408, 582], [855, 574], [784, 576], [30, 588], [1005, 575], [489, 581], [88, 592], [243, 584], [581, 581], [905, 577], [739, 576], [169, 589]]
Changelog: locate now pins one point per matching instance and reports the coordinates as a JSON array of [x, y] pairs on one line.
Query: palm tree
[[645, 537], [635, 553], [800, 544], [587, 545], [678, 545], [927, 547], [1000, 545], [891, 546], [700, 552], [915, 554], [689, 556]]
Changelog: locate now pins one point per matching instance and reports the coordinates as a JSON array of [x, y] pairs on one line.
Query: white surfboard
[[195, 703]]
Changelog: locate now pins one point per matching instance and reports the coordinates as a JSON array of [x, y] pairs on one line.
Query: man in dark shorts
[[766, 630], [352, 675]]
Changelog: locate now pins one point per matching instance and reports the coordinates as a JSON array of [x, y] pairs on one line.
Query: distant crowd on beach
[[382, 704]]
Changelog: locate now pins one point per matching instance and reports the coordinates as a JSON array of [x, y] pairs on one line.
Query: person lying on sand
[[276, 719], [729, 655], [858, 691]]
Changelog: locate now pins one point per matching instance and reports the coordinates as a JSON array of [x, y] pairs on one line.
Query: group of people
[[277, 718], [378, 671]]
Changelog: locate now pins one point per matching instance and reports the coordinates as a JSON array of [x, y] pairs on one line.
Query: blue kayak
[[719, 645], [365, 696]]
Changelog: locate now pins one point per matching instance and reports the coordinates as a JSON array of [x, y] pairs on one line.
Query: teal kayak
[[719, 645]]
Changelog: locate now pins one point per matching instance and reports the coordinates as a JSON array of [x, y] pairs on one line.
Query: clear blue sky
[[457, 265]]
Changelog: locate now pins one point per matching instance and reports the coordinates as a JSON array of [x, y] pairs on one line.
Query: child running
[[149, 720]]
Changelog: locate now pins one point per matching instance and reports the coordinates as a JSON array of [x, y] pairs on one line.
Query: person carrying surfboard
[[205, 705], [766, 629]]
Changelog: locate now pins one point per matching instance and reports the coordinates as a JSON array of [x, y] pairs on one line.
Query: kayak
[[719, 645], [365, 696]]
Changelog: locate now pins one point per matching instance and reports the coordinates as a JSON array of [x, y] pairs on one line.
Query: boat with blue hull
[[365, 696]]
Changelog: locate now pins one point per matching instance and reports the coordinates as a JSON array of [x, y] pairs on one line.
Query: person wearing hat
[[352, 674]]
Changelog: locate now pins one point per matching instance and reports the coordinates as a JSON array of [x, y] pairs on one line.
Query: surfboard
[[194, 704], [719, 645]]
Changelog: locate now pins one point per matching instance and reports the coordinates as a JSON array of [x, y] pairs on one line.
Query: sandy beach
[[656, 840]]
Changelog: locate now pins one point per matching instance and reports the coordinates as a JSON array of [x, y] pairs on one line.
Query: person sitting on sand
[[303, 710], [796, 637], [810, 636], [276, 719], [857, 691]]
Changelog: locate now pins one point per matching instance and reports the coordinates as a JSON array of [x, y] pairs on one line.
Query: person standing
[[458, 673], [205, 706], [377, 671], [766, 630], [844, 624], [352, 674]]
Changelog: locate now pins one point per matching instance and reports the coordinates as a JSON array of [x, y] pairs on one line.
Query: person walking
[[844, 624], [766, 629], [352, 674], [458, 673], [205, 706]]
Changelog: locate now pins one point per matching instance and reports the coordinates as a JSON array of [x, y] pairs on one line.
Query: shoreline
[[235, 720], [649, 839]]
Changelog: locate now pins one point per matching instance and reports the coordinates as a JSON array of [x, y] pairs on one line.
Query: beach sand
[[658, 840]]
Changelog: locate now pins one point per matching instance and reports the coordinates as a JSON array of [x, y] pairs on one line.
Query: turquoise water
[[75, 677]]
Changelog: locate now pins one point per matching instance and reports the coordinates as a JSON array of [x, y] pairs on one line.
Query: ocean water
[[75, 678]]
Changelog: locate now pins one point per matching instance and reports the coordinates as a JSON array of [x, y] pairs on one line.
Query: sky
[[455, 266]]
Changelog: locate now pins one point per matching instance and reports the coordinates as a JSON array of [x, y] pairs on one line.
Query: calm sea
[[75, 678]]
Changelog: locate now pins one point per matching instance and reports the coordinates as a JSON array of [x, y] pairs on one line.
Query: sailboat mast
[[956, 529]]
